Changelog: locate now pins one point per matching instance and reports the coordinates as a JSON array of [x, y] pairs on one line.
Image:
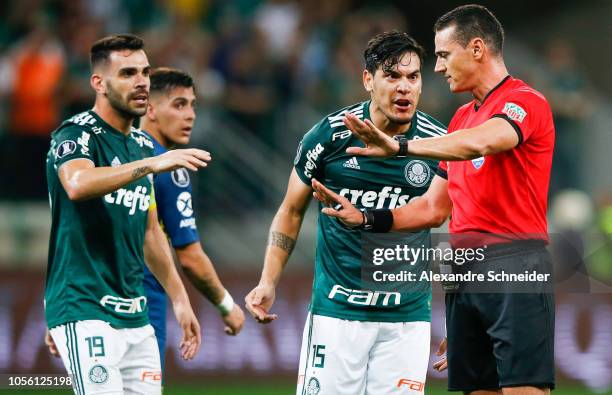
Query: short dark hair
[[471, 21], [101, 49], [164, 79], [386, 49]]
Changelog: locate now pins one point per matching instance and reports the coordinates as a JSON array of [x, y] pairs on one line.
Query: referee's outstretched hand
[[337, 206], [377, 143]]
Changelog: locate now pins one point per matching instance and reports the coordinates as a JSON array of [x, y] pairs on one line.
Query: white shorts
[[356, 358], [105, 360]]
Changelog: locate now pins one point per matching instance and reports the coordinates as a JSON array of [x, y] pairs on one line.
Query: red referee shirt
[[504, 193]]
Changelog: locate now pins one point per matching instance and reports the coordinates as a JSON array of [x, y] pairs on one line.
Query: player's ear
[[477, 48], [368, 80], [151, 112], [97, 83]]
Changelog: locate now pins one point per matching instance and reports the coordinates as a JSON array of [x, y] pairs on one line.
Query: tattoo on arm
[[139, 172], [281, 240]]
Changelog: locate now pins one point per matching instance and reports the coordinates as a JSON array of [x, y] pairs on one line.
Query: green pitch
[[275, 388]]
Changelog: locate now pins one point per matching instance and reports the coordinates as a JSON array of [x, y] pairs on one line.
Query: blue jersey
[[177, 217]]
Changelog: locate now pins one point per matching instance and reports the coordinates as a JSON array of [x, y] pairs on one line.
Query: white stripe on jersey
[[336, 120], [430, 125], [432, 128], [432, 134]]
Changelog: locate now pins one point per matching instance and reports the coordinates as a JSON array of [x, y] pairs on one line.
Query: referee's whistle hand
[[337, 206]]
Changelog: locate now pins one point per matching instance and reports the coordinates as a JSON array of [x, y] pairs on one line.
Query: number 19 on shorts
[[96, 346]]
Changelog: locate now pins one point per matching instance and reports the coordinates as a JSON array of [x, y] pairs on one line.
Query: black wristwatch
[[403, 146]]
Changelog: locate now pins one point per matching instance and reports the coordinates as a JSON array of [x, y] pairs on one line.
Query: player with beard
[[99, 172], [357, 341]]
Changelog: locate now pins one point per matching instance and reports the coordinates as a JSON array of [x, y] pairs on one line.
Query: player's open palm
[[259, 302], [234, 321], [190, 158], [337, 206], [192, 339], [377, 143]]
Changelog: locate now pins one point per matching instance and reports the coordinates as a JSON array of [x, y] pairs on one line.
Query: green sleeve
[[310, 158], [73, 142]]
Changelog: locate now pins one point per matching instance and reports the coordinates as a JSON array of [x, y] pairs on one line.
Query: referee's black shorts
[[503, 338]]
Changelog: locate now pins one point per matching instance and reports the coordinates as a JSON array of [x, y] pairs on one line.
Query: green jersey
[[367, 183], [96, 256]]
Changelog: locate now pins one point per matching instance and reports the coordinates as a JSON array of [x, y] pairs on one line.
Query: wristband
[[378, 220], [226, 305], [403, 146]]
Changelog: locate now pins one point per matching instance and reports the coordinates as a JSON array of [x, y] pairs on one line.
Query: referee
[[493, 178]]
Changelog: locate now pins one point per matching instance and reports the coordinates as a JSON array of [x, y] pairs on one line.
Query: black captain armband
[[378, 220]]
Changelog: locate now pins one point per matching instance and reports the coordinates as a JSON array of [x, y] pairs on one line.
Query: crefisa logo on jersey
[[142, 140], [478, 162], [312, 156], [417, 173], [84, 143], [98, 374], [137, 199], [389, 197], [180, 177]]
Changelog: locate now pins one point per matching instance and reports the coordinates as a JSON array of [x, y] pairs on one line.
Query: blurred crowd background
[[266, 71]]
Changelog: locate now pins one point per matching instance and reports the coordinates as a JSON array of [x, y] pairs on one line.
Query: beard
[[397, 120], [122, 105]]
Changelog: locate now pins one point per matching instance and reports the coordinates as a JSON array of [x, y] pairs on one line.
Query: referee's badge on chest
[[478, 162]]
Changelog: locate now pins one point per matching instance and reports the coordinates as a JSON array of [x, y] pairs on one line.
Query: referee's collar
[[496, 87]]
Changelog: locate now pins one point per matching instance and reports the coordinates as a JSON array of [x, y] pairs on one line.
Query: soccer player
[[494, 174], [102, 232], [168, 122], [350, 346]]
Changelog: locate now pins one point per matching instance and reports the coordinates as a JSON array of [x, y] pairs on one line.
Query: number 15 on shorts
[[318, 356]]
